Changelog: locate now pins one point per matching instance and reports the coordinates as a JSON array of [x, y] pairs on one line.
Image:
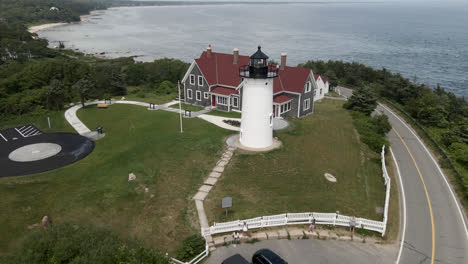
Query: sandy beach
[[36, 29], [83, 18]]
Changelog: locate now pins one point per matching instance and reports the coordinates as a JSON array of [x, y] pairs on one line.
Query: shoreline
[[83, 18]]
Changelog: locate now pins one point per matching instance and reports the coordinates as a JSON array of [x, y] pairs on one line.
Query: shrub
[[382, 124], [191, 247], [64, 243], [232, 122], [369, 132]]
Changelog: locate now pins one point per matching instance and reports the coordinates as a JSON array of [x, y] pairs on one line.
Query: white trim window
[[315, 92], [221, 100], [306, 104], [192, 79], [235, 101], [285, 108], [200, 80], [206, 95], [198, 95], [189, 93], [308, 87], [320, 91]]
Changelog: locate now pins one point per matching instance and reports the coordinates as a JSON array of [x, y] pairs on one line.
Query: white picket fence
[[306, 218]]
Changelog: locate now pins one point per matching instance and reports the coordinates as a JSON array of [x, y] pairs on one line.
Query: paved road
[[312, 251], [436, 229]]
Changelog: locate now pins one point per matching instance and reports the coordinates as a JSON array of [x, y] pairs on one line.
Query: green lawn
[[291, 179], [193, 108], [224, 114], [148, 97], [96, 190], [57, 121]]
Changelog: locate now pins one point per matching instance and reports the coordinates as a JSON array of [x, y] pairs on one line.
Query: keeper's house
[[213, 80]]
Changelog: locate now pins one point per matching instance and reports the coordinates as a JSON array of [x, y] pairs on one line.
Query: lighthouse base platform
[[233, 141]]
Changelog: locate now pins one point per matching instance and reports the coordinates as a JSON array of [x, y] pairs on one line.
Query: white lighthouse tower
[[257, 102]]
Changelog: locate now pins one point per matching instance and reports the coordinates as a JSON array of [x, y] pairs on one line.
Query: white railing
[[387, 191], [195, 260], [306, 218]]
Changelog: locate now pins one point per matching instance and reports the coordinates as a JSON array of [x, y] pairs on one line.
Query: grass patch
[[224, 114], [189, 107], [393, 221], [57, 121], [291, 179], [333, 94], [96, 190], [137, 94]]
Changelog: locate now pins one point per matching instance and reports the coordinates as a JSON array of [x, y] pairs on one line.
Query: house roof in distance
[[282, 98], [224, 91], [219, 69], [324, 79]]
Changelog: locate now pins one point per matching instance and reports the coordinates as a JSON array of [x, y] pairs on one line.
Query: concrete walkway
[[206, 188], [82, 129]]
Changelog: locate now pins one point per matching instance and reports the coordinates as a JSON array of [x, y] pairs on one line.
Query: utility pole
[[180, 108]]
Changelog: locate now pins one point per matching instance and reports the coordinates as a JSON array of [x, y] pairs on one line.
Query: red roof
[[220, 69], [279, 99], [224, 91], [324, 79], [291, 79], [316, 76]]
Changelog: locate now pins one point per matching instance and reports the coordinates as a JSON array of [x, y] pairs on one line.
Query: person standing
[[312, 224], [352, 224], [245, 229]]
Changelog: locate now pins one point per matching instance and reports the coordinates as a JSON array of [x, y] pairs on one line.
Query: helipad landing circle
[[34, 152]]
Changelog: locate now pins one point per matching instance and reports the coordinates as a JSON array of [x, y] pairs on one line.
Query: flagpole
[[180, 108]]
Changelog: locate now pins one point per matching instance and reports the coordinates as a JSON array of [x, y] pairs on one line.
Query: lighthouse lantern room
[[257, 102]]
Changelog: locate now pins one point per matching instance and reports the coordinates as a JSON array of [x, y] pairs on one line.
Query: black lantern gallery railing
[[247, 71]]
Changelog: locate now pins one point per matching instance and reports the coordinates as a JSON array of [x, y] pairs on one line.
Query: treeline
[[18, 45], [34, 11], [52, 83], [442, 113]]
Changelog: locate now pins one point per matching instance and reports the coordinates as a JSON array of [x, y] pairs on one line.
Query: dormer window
[[308, 87]]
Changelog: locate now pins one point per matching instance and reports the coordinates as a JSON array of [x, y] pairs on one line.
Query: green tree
[[382, 124], [362, 100], [55, 95], [83, 88]]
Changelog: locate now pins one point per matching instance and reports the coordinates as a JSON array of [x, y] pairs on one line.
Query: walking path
[[206, 188], [82, 129]]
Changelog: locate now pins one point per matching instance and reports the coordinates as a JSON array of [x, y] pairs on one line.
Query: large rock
[[131, 177], [46, 222]]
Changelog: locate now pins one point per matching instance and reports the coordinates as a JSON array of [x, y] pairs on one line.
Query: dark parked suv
[[266, 256], [236, 259]]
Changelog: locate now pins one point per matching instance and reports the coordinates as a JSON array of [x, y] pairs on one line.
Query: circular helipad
[[35, 152], [22, 153]]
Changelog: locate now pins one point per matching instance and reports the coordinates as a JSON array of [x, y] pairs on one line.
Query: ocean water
[[423, 41]]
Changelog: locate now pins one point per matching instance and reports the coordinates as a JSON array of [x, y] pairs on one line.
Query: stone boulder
[[131, 177], [46, 222]]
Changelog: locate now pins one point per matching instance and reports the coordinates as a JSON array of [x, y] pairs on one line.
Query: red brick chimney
[[236, 56], [208, 51], [283, 61]]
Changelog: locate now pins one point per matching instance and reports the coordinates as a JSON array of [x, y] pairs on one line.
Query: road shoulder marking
[[460, 212], [404, 207], [425, 191]]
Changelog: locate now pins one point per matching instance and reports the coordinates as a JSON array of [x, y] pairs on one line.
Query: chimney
[[208, 51], [283, 61], [236, 56]]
